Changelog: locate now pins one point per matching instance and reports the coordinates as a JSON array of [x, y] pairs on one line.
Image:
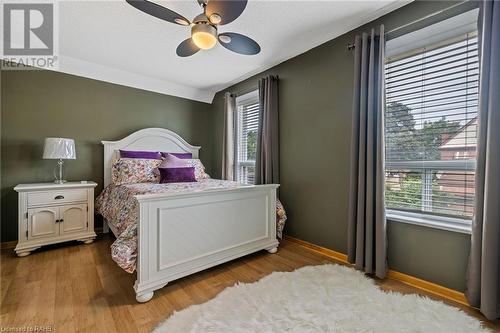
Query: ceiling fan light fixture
[[204, 36]]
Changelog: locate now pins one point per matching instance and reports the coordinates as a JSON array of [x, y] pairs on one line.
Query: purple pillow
[[170, 161], [184, 156], [177, 175], [148, 155]]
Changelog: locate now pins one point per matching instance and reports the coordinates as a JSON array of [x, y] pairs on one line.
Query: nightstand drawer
[[56, 197]]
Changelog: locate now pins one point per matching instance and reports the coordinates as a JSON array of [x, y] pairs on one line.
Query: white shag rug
[[326, 298]]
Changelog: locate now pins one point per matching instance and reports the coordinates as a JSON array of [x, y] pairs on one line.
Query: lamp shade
[[59, 148]]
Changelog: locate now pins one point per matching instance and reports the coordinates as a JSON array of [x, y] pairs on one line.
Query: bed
[[185, 228]]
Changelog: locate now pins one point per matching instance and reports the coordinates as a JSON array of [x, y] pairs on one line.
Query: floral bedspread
[[118, 205]]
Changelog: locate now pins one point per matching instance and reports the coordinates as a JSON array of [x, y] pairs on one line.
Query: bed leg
[[144, 297], [272, 250]]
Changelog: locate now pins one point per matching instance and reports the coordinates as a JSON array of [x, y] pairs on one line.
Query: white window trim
[[433, 221], [252, 95], [248, 96], [434, 33]]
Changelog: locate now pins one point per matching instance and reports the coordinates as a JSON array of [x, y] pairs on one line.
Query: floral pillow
[[134, 170], [199, 168]]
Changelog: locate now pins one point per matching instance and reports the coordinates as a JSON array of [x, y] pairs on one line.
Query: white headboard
[[148, 139]]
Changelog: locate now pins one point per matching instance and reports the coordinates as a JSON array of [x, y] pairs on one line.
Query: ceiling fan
[[204, 34]]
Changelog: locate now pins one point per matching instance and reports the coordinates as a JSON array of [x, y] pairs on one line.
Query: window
[[246, 127], [431, 130]]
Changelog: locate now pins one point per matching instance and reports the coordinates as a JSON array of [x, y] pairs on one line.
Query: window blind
[[431, 127], [246, 137]]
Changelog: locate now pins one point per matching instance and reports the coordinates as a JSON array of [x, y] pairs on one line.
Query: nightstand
[[53, 213]]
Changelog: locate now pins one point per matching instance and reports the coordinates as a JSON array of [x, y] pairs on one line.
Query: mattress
[[118, 205]]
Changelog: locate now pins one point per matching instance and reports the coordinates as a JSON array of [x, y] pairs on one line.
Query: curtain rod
[[243, 92], [251, 88], [430, 19]]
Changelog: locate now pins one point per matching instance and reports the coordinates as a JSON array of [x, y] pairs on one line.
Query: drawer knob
[[59, 197]]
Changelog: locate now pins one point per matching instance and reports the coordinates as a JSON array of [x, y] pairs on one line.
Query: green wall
[[316, 91], [38, 104]]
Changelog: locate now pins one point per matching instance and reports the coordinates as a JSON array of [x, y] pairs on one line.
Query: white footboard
[[183, 234]]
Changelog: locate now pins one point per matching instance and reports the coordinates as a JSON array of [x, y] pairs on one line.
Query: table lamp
[[59, 149]]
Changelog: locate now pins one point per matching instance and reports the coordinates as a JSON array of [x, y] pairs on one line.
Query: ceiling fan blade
[[239, 43], [158, 11], [229, 10], [187, 48]]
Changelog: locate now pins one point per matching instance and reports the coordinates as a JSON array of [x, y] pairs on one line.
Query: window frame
[[433, 220], [448, 223], [252, 96]]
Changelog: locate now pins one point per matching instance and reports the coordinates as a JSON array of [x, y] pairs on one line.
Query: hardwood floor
[[78, 288]]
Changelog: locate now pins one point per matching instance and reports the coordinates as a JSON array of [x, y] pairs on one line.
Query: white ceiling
[[114, 42]]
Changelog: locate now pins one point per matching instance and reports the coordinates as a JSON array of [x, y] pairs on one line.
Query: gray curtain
[[267, 159], [228, 137], [483, 276], [367, 224]]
